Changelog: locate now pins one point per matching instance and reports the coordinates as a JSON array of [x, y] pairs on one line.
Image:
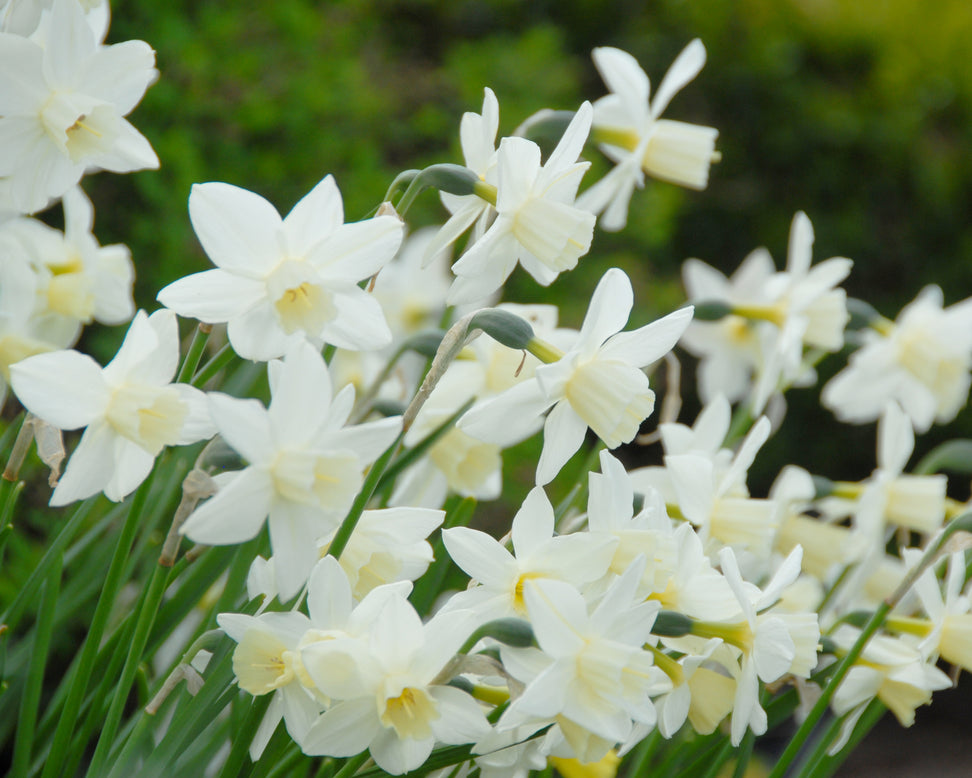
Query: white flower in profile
[[921, 360], [889, 669], [477, 133], [729, 349], [280, 280], [62, 103], [388, 698], [772, 643], [78, 280], [305, 467], [807, 311], [266, 660], [599, 383], [537, 223], [130, 409], [629, 131]]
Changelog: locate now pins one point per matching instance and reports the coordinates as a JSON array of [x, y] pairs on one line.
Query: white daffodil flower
[[921, 360], [629, 131], [537, 223], [477, 134], [888, 669], [772, 643], [591, 676], [280, 280], [305, 467], [387, 545], [267, 660], [807, 310], [599, 383], [729, 349], [579, 559], [130, 409], [62, 105], [387, 695], [19, 334], [949, 633], [715, 498], [22, 17], [78, 281]]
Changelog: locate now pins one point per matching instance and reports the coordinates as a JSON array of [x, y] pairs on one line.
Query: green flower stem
[[827, 765], [343, 534], [429, 585], [581, 483], [813, 759], [35, 674], [723, 755], [94, 705], [643, 754], [352, 765], [79, 682], [146, 618], [233, 766], [220, 360], [742, 420], [872, 626], [9, 492], [196, 348], [190, 719], [11, 617], [544, 351], [411, 455], [745, 753]]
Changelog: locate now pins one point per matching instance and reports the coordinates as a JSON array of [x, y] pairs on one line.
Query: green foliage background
[[857, 113]]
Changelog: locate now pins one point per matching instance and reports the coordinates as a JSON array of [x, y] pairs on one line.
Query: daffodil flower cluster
[[386, 623]]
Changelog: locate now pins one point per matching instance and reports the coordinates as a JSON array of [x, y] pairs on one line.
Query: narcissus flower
[[599, 383], [537, 223], [305, 467], [62, 104], [388, 695], [129, 407], [280, 280], [921, 360], [629, 131]]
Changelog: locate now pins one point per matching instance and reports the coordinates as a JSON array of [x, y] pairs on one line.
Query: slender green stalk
[[429, 585], [352, 765], [199, 340], [715, 766], [219, 360], [343, 533], [146, 618], [35, 674], [12, 615], [644, 753], [9, 492], [745, 753], [233, 765], [411, 455], [89, 651], [827, 764]]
